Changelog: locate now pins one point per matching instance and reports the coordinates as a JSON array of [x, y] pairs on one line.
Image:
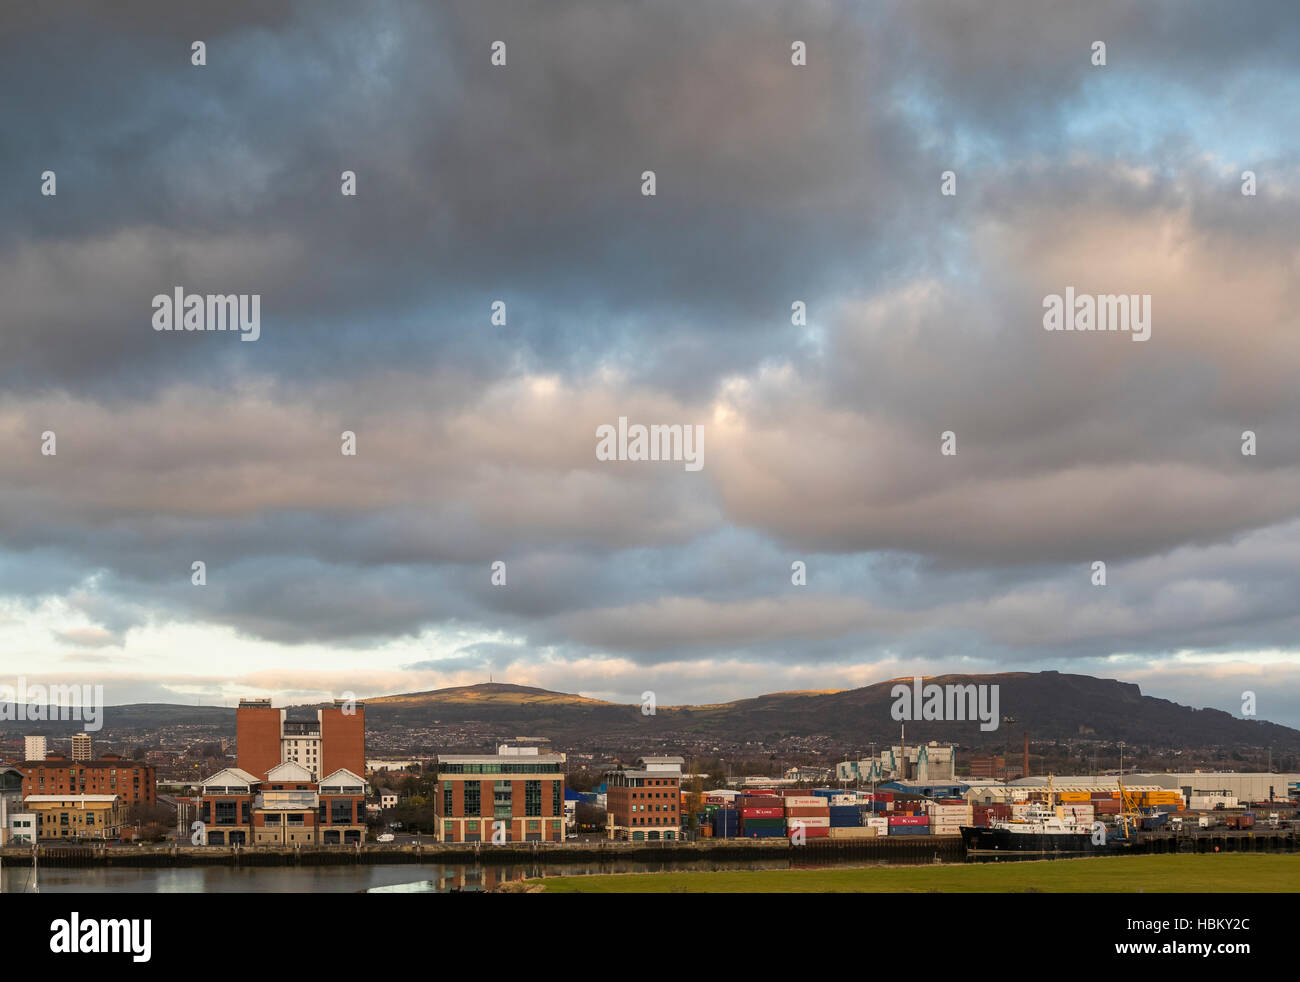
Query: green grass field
[[1206, 873]]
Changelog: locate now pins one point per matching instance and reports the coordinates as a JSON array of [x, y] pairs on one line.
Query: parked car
[[386, 837]]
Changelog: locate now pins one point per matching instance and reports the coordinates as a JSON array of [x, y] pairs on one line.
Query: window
[[502, 799], [446, 798], [473, 798], [532, 798], [556, 806]]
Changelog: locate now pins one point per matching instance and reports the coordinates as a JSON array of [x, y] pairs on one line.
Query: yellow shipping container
[[853, 832]]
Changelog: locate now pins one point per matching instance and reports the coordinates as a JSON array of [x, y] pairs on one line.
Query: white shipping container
[[805, 801], [1208, 802], [809, 822]]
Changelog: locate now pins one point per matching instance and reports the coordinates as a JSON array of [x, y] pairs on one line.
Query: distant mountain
[[485, 694], [133, 716], [1049, 706]]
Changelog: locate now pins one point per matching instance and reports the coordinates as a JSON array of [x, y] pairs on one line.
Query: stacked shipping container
[[909, 825], [762, 816], [947, 817], [811, 812]]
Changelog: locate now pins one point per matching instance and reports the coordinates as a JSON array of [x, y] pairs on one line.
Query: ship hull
[[978, 839]]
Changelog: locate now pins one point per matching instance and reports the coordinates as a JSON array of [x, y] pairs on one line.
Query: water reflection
[[396, 878]]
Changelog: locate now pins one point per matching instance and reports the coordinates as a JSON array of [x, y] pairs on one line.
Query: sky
[[523, 183]]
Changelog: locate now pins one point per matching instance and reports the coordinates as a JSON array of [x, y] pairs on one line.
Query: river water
[[400, 877], [395, 878]]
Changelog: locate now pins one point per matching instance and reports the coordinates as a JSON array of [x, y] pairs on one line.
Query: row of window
[[45, 818], [502, 798], [617, 781], [331, 813]]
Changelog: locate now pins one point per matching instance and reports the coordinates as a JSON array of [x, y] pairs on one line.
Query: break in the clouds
[[522, 184]]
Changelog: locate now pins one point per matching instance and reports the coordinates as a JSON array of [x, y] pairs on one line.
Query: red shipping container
[[818, 832], [909, 820], [761, 813], [884, 796]]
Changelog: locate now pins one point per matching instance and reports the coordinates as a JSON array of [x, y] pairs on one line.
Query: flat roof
[[500, 758], [98, 762], [663, 774]]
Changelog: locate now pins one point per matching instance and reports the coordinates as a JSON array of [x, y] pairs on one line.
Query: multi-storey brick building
[[517, 791], [133, 781], [76, 816], [988, 768], [275, 795], [645, 804], [287, 808], [334, 739]]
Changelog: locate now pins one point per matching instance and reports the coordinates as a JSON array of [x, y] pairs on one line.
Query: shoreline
[[942, 848]]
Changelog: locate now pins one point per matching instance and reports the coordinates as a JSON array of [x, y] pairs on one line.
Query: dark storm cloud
[[520, 183]]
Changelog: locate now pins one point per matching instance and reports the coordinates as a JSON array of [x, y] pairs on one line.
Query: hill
[[1050, 706]]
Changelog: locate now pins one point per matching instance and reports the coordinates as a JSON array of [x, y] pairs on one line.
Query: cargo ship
[[1046, 829]]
